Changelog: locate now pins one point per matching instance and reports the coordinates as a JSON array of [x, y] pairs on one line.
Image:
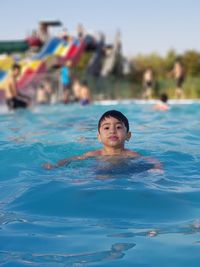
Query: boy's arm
[[158, 167], [66, 161], [61, 162]]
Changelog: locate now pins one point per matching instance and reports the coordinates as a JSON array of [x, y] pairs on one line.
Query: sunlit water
[[99, 213]]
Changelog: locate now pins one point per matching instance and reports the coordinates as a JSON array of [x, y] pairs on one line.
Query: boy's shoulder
[[130, 153], [94, 153]]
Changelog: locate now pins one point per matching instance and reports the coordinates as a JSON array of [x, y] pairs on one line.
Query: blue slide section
[[2, 74], [48, 48]]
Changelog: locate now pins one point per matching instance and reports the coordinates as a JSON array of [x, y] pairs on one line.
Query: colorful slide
[[54, 52]]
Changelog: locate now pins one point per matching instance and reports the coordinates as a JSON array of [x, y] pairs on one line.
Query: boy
[[113, 132], [14, 99]]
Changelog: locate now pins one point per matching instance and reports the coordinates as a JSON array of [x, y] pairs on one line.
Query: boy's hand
[[63, 162], [158, 167], [156, 170], [48, 166]]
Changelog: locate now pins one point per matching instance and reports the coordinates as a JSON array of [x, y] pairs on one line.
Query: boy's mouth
[[113, 138]]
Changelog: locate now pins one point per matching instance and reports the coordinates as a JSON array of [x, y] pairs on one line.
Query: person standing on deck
[[14, 99]]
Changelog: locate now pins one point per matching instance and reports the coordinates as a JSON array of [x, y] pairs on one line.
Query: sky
[[146, 26]]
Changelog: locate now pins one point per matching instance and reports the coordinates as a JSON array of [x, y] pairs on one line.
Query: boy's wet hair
[[115, 114]]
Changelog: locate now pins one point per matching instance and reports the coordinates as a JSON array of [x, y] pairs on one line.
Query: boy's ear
[[128, 136], [99, 137]]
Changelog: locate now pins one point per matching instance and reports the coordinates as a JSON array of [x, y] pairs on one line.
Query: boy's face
[[113, 133]]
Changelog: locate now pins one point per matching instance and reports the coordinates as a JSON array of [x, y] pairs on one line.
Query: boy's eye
[[106, 128], [119, 127]]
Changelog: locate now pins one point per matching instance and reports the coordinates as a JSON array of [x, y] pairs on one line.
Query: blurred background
[[128, 49]]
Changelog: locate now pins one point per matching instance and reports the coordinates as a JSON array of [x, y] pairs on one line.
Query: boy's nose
[[112, 129]]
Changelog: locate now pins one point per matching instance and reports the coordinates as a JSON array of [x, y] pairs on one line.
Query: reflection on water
[[116, 252]]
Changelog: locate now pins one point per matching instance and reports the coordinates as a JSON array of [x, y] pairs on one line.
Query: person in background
[[15, 99], [44, 92], [85, 95], [148, 81], [43, 33], [41, 97], [162, 104], [179, 75], [65, 35], [34, 41], [80, 31], [76, 89], [65, 81]]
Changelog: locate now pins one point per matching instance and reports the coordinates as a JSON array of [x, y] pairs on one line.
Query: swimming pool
[[86, 214]]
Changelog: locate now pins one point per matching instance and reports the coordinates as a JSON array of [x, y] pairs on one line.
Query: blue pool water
[[92, 213]]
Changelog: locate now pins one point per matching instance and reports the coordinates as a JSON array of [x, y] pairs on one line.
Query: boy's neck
[[111, 151]]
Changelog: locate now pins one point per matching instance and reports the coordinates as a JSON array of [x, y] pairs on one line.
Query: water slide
[[48, 48], [95, 63], [54, 52], [111, 56], [20, 46], [6, 63], [104, 58]]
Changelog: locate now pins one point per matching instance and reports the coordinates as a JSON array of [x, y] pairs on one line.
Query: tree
[[191, 62]]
